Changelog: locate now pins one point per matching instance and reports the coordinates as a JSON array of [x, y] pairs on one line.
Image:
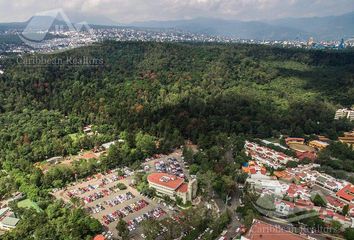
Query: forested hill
[[192, 89]]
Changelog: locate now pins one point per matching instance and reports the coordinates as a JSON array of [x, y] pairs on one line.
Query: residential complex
[[344, 113], [348, 138], [292, 190], [320, 145], [266, 156]]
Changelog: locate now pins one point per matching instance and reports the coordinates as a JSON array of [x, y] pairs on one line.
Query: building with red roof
[[183, 188], [306, 155], [328, 216], [302, 202], [264, 231], [334, 203], [284, 207], [99, 237], [294, 191], [172, 186], [267, 156], [290, 140], [347, 193], [253, 168], [165, 180], [284, 175], [351, 210]]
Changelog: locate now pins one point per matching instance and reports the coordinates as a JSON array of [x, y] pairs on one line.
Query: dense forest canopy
[[173, 88], [198, 79]]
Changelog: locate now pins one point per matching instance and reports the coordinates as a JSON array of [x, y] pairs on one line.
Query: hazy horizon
[[123, 11]]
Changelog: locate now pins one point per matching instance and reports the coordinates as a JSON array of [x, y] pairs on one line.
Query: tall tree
[[122, 228]]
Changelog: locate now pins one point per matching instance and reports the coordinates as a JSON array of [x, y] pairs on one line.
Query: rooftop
[[58, 158], [99, 237], [264, 231], [166, 180], [108, 145], [10, 221], [303, 202], [320, 143], [349, 134], [183, 188], [307, 154], [347, 192], [294, 139], [282, 174], [335, 202], [3, 211]]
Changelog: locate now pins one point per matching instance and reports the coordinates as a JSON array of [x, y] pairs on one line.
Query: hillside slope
[[195, 88]]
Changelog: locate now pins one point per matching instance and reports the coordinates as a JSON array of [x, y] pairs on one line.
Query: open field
[[68, 161]]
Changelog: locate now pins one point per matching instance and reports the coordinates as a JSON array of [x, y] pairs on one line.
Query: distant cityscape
[[10, 43]]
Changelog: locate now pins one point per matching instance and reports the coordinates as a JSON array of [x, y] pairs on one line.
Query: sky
[[125, 11]]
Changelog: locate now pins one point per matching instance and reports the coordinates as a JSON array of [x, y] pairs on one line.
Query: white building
[[106, 146], [267, 185], [7, 219], [9, 223], [54, 160], [345, 113], [284, 207], [172, 186]]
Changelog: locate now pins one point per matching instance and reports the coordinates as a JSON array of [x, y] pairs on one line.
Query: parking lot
[[105, 201], [172, 164]]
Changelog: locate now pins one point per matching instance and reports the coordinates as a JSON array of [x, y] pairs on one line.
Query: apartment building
[[344, 113]]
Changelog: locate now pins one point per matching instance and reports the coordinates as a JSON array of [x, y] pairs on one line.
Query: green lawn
[[76, 136], [27, 203]]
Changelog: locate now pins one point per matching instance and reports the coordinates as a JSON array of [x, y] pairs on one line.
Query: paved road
[[236, 219]]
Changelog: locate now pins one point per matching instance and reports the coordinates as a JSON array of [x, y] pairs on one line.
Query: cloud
[[141, 10]]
